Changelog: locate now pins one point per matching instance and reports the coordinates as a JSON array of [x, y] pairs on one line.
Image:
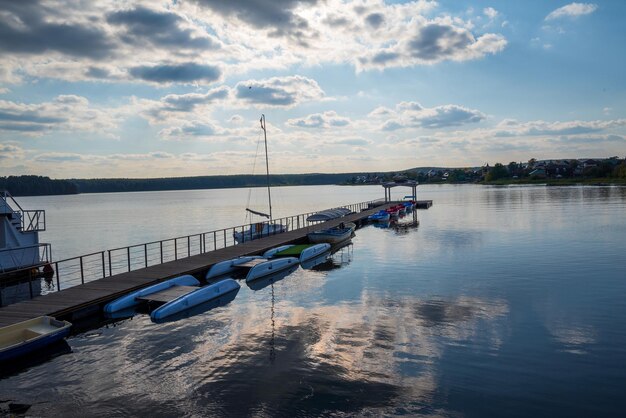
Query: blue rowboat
[[380, 216], [131, 299], [197, 297], [19, 339]]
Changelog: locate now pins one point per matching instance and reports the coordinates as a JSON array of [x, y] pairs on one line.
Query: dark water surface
[[503, 302]]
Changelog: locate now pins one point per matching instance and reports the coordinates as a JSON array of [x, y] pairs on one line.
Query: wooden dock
[[87, 299]]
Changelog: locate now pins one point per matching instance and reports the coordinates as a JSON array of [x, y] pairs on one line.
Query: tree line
[[36, 186]]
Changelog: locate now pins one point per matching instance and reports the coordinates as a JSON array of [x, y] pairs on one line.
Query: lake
[[505, 301]]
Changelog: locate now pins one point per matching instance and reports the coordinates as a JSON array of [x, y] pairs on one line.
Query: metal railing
[[29, 220], [24, 257], [85, 268]]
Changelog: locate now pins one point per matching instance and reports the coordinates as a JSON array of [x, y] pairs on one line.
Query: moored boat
[[269, 267], [197, 297], [24, 337], [380, 216], [261, 229], [303, 252], [132, 299], [330, 235], [228, 266]]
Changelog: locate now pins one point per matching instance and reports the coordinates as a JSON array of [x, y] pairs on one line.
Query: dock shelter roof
[[329, 214]]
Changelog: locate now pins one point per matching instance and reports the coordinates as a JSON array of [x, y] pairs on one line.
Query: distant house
[[538, 173]]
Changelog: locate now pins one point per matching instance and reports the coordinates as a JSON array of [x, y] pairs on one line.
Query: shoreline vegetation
[[608, 171]]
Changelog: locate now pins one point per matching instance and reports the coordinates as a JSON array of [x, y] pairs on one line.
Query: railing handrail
[[36, 217]]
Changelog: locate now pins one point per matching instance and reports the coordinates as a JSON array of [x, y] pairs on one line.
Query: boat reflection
[[312, 262], [272, 278], [201, 308], [34, 358]]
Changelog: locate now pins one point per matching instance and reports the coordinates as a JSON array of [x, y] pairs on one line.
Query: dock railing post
[[128, 256], [56, 265], [214, 240], [82, 272], [104, 269], [224, 238], [110, 269], [145, 254], [161, 245], [188, 245]]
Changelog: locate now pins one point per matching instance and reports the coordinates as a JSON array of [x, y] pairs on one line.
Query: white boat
[[258, 230], [268, 267], [229, 266], [132, 299], [261, 229], [201, 308], [330, 235], [304, 252], [197, 297], [27, 336], [327, 215]]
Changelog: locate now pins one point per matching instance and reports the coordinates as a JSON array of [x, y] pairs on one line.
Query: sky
[[176, 88]]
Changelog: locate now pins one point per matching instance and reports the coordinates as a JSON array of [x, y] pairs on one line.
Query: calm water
[[504, 302]]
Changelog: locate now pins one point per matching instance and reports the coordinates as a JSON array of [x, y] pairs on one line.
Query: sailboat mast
[[267, 165]]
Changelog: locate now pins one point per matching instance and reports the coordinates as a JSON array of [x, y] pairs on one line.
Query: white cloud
[[572, 10], [183, 42], [490, 12], [329, 119], [278, 91], [64, 113], [414, 115]]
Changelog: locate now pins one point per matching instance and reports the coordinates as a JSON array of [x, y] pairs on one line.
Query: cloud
[[329, 119], [352, 142], [490, 12], [278, 91], [277, 16], [190, 129], [446, 116], [188, 72], [414, 115], [59, 157], [8, 151], [430, 42], [511, 128], [572, 10], [160, 28], [26, 29], [187, 102], [65, 112]]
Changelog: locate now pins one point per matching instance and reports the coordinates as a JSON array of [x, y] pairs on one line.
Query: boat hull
[[130, 300], [228, 266], [22, 338], [270, 267], [255, 233], [331, 236], [314, 251], [197, 297]]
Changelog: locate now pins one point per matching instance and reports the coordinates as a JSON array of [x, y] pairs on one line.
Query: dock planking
[[68, 301]]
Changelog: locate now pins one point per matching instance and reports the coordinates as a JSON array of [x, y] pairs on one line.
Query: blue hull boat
[[130, 300], [24, 337], [197, 297], [380, 216]]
